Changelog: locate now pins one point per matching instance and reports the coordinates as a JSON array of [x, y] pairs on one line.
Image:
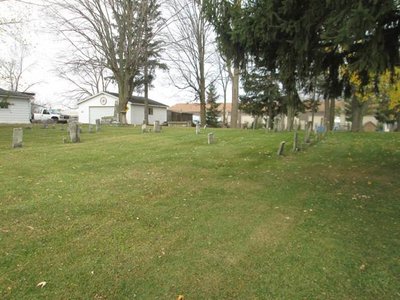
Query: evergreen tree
[[303, 39], [212, 112], [262, 95]]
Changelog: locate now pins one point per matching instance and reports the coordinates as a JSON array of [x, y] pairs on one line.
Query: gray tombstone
[[74, 132], [17, 138], [308, 132], [277, 123], [45, 125], [281, 148], [98, 125], [296, 142], [91, 129], [211, 138], [157, 127], [197, 128]]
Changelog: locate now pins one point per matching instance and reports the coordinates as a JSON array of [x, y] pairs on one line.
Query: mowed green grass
[[125, 215]]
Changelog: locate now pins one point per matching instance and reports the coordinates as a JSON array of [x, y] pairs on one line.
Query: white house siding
[[18, 112], [137, 114], [87, 106]]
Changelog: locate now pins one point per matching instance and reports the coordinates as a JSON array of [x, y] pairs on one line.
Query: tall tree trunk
[[312, 114], [125, 92], [235, 97], [146, 66], [331, 114], [270, 116], [398, 122], [224, 110], [290, 116], [356, 115], [203, 100], [326, 112], [255, 122], [146, 93], [202, 81]]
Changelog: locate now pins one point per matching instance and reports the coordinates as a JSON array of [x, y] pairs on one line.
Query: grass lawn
[[125, 215]]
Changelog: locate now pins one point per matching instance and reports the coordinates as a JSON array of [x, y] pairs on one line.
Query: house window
[[150, 111]]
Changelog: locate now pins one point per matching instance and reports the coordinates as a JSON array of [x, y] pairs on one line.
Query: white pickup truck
[[44, 114]]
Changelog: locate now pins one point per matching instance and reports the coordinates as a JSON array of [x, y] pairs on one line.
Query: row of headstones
[[73, 129], [210, 136], [156, 127], [307, 139]]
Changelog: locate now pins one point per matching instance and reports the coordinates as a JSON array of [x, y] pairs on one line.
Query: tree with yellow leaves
[[389, 98], [360, 92]]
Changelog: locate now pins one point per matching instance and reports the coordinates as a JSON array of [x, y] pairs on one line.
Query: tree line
[[287, 53], [338, 49]]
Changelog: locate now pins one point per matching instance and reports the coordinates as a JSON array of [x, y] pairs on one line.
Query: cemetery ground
[[125, 215]]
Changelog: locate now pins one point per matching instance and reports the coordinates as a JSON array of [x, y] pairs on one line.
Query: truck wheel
[[54, 119]]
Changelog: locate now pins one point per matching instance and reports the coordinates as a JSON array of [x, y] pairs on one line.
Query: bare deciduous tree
[[86, 73], [224, 77], [114, 29], [190, 48], [14, 66]]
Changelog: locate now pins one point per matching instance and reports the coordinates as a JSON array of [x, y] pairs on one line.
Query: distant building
[[194, 110], [340, 117], [15, 107], [103, 105]]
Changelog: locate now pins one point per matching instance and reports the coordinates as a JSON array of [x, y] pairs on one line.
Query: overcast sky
[[44, 49]]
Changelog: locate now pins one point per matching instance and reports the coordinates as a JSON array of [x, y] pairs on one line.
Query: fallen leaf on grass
[[362, 267], [180, 297], [41, 284]]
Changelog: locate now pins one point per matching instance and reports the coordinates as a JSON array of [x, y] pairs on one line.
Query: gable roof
[[140, 100], [134, 99], [16, 94]]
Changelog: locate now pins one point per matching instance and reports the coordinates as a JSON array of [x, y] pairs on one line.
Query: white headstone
[[144, 128], [157, 127], [197, 128]]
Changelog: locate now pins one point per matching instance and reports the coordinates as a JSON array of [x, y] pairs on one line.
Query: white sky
[[44, 49]]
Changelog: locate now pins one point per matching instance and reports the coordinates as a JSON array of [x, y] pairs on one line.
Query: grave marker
[[144, 128], [98, 125], [281, 148], [17, 138], [211, 138], [296, 142], [74, 132], [157, 127]]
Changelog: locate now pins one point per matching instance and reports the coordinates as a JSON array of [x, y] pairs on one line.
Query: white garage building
[[103, 105], [15, 107]]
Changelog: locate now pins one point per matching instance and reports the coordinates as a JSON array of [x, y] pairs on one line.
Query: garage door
[[99, 112]]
